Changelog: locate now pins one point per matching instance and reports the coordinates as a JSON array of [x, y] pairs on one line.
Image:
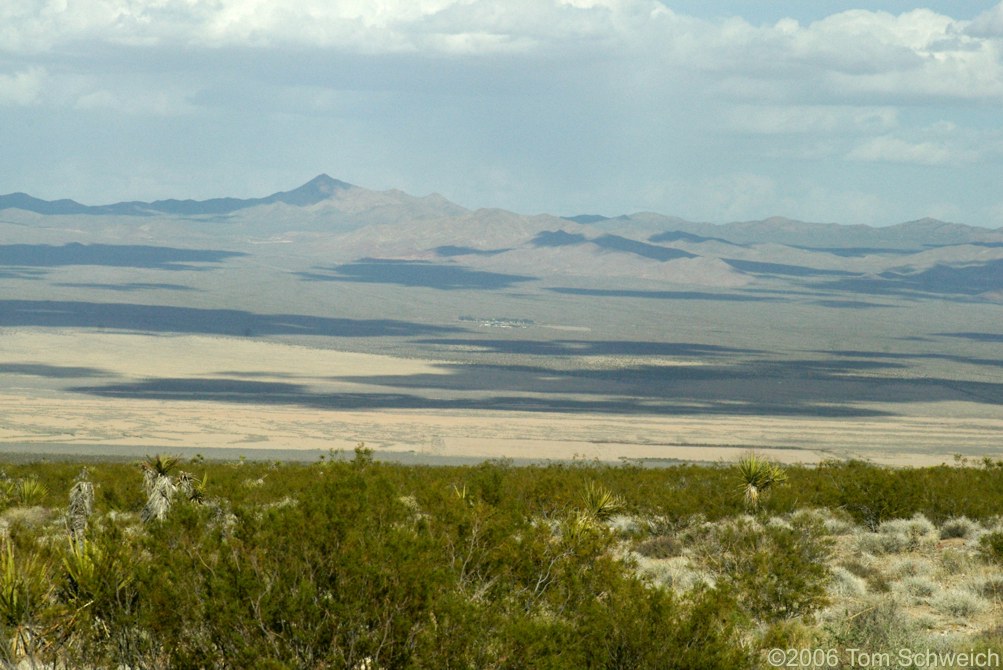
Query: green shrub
[[991, 547], [779, 571], [958, 527]]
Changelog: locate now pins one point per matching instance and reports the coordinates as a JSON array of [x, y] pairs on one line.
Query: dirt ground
[[44, 402]]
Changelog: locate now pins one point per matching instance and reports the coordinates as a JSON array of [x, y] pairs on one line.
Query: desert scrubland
[[737, 446]]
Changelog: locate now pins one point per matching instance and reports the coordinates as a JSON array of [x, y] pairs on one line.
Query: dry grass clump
[[837, 523], [920, 588], [876, 623], [900, 535], [990, 588], [661, 546], [959, 527], [958, 603], [845, 584], [624, 524], [28, 517], [909, 566], [955, 561], [867, 569], [677, 573]]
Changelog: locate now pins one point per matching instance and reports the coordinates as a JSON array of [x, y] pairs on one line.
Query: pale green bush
[[957, 603], [845, 584], [959, 527], [918, 587]]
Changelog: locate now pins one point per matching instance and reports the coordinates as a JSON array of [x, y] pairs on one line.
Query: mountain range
[[329, 224]]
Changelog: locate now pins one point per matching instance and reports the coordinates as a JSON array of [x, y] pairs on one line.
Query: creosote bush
[[991, 547], [354, 563], [781, 571]]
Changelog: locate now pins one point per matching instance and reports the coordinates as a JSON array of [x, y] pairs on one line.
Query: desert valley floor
[[273, 400]]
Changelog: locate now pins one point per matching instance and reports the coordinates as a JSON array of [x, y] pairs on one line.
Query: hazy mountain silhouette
[[318, 189], [334, 229]]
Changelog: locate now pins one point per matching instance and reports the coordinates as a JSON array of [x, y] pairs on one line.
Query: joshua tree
[[159, 487], [157, 467], [191, 488], [81, 506], [759, 476]]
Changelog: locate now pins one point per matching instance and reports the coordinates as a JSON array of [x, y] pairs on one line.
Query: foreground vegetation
[[351, 563]]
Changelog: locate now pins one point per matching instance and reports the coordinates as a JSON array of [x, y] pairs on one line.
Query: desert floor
[[55, 400]]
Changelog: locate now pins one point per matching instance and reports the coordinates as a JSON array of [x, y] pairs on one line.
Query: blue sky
[[717, 110]]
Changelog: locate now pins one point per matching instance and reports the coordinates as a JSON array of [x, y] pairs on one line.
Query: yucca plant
[[161, 497], [759, 476], [600, 504], [157, 467], [28, 492], [24, 591], [80, 560], [191, 488], [158, 485]]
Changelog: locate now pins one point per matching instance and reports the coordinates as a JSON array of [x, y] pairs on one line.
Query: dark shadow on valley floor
[[965, 280], [680, 236], [801, 386], [52, 371], [642, 249], [161, 319], [808, 387], [449, 251], [953, 358], [128, 288], [608, 242], [856, 252], [443, 276], [975, 337], [277, 393], [22, 273], [851, 304], [661, 295], [111, 255], [756, 267]]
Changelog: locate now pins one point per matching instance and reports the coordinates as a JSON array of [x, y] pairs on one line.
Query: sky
[[712, 110]]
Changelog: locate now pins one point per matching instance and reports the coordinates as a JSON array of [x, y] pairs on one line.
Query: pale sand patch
[[135, 355], [160, 425]]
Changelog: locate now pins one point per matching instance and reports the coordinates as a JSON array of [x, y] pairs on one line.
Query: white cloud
[[887, 149], [141, 102], [845, 56], [988, 23], [22, 88]]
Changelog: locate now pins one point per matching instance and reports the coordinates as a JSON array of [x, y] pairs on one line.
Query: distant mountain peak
[[320, 188], [325, 182]]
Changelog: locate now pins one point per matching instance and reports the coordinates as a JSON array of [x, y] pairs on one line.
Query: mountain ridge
[[328, 201], [324, 187]]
